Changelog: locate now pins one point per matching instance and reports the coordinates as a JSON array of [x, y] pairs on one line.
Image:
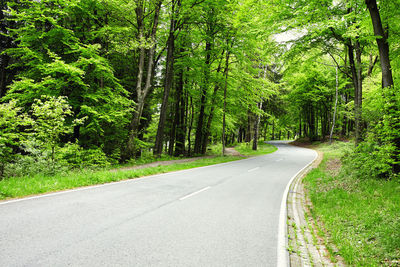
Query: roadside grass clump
[[263, 148], [359, 213], [42, 183]]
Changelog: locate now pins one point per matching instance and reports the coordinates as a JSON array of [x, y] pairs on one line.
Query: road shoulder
[[305, 246]]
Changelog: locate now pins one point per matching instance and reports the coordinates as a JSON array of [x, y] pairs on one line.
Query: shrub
[[11, 121]]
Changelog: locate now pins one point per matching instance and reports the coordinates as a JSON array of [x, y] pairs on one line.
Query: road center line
[[256, 168], [195, 193]]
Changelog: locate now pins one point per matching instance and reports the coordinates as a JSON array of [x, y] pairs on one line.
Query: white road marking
[[282, 252], [195, 193], [279, 159], [256, 168]]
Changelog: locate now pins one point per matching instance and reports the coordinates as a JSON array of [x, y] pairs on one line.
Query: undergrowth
[[360, 213]]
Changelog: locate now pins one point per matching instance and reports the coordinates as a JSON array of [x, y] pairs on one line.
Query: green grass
[[263, 148], [360, 214], [15, 187], [30, 185]]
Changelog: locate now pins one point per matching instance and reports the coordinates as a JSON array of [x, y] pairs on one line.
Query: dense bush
[[379, 154]]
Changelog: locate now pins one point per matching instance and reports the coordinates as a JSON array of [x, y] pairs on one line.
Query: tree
[[55, 60], [50, 124], [11, 120]]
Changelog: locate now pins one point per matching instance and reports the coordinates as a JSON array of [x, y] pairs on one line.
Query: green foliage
[[11, 122], [381, 149], [263, 148], [49, 123], [56, 59], [74, 156]]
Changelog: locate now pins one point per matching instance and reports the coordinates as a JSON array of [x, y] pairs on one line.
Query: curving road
[[221, 215]]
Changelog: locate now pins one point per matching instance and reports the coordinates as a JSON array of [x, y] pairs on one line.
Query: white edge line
[[195, 193], [282, 254], [4, 202]]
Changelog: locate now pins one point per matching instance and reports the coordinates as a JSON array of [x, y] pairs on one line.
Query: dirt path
[[160, 163], [229, 151]]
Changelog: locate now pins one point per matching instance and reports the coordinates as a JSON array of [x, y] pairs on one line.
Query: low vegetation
[[359, 212], [263, 148], [42, 182]]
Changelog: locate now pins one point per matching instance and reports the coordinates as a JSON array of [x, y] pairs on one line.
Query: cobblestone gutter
[[305, 247]]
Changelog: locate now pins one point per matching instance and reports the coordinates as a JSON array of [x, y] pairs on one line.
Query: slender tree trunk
[[356, 80], [190, 127], [141, 92], [249, 122], [169, 75], [224, 110], [200, 122], [256, 127], [358, 95], [175, 122], [300, 125], [181, 128], [336, 102], [273, 131]]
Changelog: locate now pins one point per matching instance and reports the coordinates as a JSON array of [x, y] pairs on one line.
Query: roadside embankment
[[338, 218]]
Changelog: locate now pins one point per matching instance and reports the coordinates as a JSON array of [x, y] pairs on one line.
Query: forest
[[94, 83]]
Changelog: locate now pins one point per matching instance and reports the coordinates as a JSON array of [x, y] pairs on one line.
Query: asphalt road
[[221, 215]]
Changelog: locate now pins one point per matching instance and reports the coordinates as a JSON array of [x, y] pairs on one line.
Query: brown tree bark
[[381, 40], [256, 128], [224, 110], [141, 91], [169, 77], [200, 131], [180, 127]]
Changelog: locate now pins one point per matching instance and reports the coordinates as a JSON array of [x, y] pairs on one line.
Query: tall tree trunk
[[180, 127], [381, 40], [354, 73], [248, 132], [175, 122], [273, 131], [141, 91], [169, 76], [336, 102], [190, 127], [300, 135], [226, 71], [256, 127], [359, 120], [200, 122]]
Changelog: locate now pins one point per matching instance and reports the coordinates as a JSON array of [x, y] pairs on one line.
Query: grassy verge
[[247, 149], [24, 186], [38, 184], [361, 214]]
